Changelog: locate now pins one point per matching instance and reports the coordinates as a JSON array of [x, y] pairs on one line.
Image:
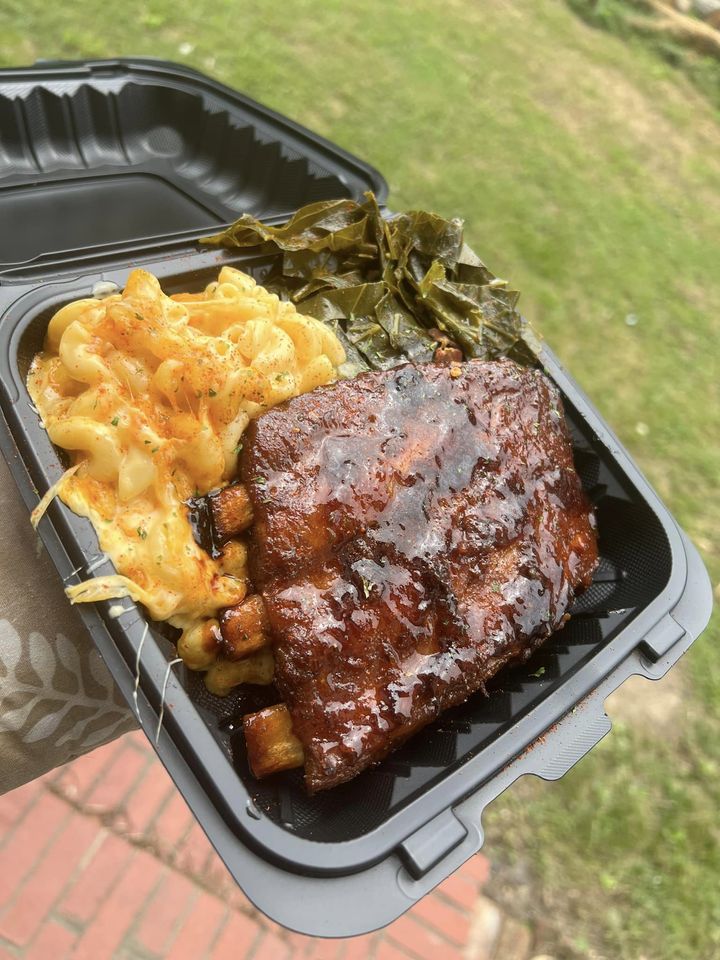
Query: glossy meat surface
[[415, 529]]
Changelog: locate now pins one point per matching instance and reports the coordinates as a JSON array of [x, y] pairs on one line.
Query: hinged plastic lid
[[103, 152]]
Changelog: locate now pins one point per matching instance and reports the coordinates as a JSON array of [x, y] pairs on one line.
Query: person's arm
[[57, 698]]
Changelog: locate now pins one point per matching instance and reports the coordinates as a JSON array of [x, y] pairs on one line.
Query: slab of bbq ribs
[[414, 530]]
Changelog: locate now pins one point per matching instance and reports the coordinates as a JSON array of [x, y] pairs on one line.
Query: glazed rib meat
[[414, 530]]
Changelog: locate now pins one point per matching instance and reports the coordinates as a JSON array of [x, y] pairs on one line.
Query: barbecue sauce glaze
[[415, 529]]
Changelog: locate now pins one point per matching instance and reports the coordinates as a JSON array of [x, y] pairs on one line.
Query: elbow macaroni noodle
[[151, 394]]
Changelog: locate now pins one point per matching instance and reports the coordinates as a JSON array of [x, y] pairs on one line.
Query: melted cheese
[[150, 395]]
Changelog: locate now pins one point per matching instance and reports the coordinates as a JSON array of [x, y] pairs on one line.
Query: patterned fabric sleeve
[[57, 699]]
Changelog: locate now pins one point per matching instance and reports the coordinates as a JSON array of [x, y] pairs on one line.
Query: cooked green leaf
[[345, 303], [404, 332], [389, 285]]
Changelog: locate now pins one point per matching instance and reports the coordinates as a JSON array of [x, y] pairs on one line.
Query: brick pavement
[[103, 860]]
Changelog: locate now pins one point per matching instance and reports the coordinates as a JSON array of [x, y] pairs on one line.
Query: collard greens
[[391, 287]]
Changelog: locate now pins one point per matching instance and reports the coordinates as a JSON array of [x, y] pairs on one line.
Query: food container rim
[[298, 853]]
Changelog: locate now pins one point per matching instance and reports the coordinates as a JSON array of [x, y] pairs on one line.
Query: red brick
[[232, 894], [272, 948], [117, 780], [388, 951], [16, 804], [97, 879], [477, 869], [443, 918], [173, 823], [416, 938], [53, 942], [198, 931], [163, 913], [27, 843], [420, 941], [323, 949], [300, 944], [217, 879], [139, 741], [236, 938], [103, 936], [148, 797], [48, 880], [76, 779], [195, 852], [359, 948], [461, 891]]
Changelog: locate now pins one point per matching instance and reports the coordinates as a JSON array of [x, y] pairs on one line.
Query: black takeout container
[[108, 165]]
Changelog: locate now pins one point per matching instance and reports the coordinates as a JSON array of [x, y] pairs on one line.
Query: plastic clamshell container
[[351, 859]]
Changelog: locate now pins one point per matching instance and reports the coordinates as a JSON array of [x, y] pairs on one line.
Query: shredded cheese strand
[[162, 696], [52, 492], [137, 669], [111, 587]]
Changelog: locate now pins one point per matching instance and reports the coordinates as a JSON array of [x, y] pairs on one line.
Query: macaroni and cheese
[[151, 394]]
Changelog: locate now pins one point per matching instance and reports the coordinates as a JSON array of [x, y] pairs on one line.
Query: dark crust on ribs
[[414, 531]]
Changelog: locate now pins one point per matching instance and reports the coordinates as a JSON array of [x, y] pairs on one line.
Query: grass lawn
[[589, 174]]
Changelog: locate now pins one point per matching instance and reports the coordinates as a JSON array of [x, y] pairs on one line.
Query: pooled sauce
[[415, 529]]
